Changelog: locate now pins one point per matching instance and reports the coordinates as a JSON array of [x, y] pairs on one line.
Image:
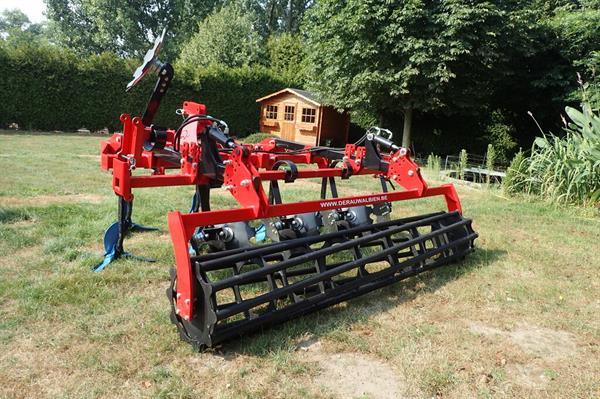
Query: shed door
[[288, 125]]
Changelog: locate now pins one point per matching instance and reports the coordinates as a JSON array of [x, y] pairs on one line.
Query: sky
[[33, 8]]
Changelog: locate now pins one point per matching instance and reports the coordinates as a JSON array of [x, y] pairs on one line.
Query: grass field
[[517, 319]]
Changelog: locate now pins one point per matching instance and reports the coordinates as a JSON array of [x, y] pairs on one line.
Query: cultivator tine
[[116, 233]]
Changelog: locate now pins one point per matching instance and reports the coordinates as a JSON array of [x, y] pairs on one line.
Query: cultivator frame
[[231, 278]]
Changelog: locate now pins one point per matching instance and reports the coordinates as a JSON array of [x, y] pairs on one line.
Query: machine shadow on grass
[[285, 337]]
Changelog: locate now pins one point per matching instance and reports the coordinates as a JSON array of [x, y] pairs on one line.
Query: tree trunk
[[290, 16], [271, 17], [406, 133]]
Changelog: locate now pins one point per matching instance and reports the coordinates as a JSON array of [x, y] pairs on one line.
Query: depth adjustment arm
[[165, 77]]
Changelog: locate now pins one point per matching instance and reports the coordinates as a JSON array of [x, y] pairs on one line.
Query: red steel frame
[[247, 166]]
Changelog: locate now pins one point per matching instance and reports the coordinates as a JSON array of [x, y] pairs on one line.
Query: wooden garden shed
[[298, 115]]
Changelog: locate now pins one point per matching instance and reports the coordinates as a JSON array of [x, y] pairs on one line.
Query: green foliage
[[462, 164], [501, 135], [89, 92], [257, 138], [516, 174], [562, 170], [490, 160], [577, 36], [434, 163], [227, 37], [16, 28], [11, 20], [379, 55], [286, 57], [123, 27], [276, 16]]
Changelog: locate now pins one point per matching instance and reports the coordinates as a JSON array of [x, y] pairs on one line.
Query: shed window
[[271, 112], [289, 112], [308, 115]]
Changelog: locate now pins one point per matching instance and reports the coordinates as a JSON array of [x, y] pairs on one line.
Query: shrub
[[562, 170], [434, 162], [227, 37], [490, 160], [516, 174], [52, 89], [462, 164], [256, 138]]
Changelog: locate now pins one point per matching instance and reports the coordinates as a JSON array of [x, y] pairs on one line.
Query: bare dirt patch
[[543, 342], [530, 376], [50, 199], [352, 375], [546, 346], [537, 341]]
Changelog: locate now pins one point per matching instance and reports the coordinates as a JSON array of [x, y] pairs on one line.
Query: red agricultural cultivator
[[239, 270]]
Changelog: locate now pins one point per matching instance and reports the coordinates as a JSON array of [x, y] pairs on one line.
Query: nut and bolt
[[245, 182]]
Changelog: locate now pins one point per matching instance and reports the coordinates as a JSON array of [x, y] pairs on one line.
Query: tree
[[286, 56], [227, 37], [404, 55], [125, 27], [13, 20], [15, 27], [578, 40], [276, 16]]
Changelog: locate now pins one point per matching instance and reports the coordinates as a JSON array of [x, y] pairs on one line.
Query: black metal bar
[[286, 245], [331, 250], [259, 300]]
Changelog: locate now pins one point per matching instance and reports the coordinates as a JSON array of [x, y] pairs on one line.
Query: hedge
[[46, 88]]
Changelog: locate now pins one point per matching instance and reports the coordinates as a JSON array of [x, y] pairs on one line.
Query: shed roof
[[307, 95]]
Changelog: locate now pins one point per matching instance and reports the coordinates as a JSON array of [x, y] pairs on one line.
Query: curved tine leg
[[115, 235], [132, 226]]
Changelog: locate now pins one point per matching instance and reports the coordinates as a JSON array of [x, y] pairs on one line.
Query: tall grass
[[564, 169], [490, 159], [434, 163], [462, 163]]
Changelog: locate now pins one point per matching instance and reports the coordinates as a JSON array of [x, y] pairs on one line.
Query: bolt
[[186, 318], [403, 151], [187, 301], [395, 159], [395, 177], [178, 295], [245, 182], [411, 172], [181, 161], [118, 139], [194, 165], [177, 311], [228, 187], [227, 162]]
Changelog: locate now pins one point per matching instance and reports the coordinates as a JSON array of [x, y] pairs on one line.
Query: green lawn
[[518, 319]]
